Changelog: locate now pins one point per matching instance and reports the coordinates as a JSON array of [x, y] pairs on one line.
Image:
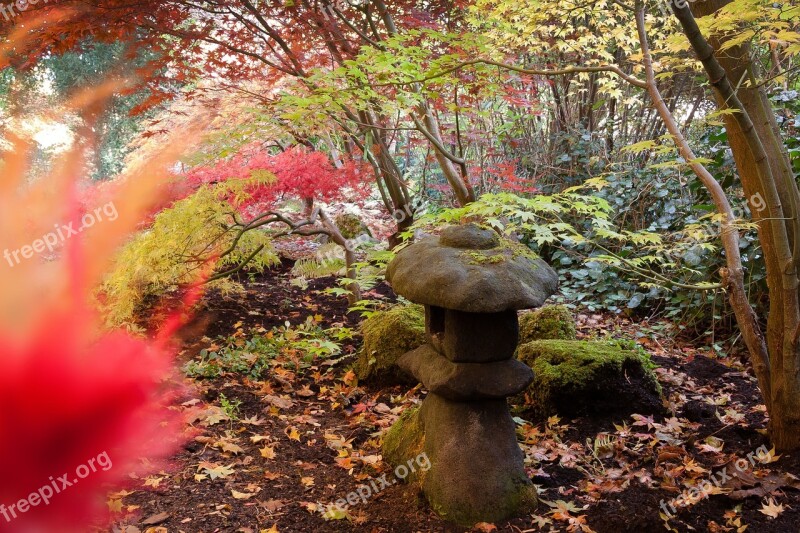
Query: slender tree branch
[[733, 274]]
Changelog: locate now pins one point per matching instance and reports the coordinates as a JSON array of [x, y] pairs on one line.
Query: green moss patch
[[549, 322], [507, 251], [404, 441], [590, 377], [351, 226], [388, 335]]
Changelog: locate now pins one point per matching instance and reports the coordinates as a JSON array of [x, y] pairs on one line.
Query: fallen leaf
[[114, 505], [349, 378], [153, 481], [292, 433], [335, 513], [311, 507], [279, 402], [273, 505], [214, 415], [267, 452], [306, 392], [216, 471], [227, 446], [155, 519], [772, 509], [253, 421]]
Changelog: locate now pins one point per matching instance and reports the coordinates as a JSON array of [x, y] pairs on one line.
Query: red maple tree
[[299, 172]]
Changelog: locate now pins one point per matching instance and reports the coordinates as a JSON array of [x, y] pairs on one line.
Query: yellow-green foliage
[[174, 250], [329, 261]]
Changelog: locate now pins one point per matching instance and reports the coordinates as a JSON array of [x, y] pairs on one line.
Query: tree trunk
[[768, 181], [349, 256], [445, 158]]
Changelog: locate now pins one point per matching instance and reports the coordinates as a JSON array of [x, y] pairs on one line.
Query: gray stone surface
[[434, 326], [477, 472], [475, 280], [469, 236], [479, 337], [465, 381]]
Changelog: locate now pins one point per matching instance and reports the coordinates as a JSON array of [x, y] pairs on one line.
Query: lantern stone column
[[472, 283]]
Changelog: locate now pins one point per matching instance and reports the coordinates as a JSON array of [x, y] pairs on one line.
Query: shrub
[[176, 250]]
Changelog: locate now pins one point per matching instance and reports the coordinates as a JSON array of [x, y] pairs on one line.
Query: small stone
[[465, 381], [469, 236]]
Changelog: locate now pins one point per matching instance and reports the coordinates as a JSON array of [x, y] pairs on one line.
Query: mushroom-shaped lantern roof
[[470, 268]]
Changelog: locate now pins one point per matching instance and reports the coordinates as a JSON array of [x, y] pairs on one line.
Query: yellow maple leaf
[[114, 505], [292, 433], [267, 452], [153, 482]]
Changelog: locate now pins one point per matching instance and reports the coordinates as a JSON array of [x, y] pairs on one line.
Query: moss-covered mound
[[351, 226], [549, 322], [388, 335], [589, 377]]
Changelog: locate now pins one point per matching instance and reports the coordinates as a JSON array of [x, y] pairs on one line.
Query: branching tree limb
[[733, 274]]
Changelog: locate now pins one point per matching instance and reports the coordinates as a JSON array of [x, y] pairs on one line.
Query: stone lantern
[[471, 283]]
